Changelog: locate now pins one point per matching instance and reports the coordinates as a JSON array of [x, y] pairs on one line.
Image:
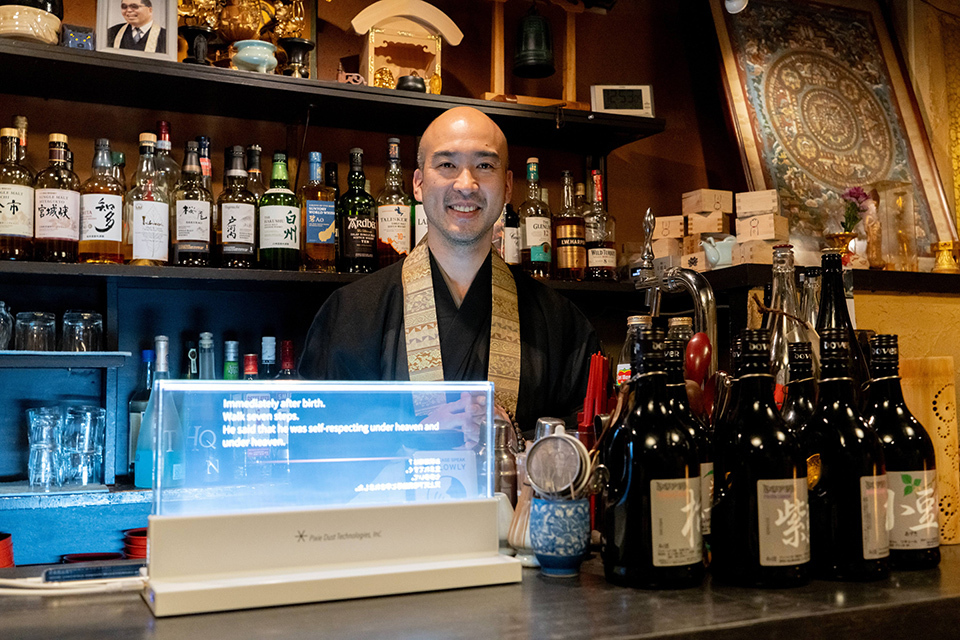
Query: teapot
[[719, 253]]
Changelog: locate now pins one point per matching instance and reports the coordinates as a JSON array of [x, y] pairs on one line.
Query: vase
[[298, 64], [841, 243], [519, 534], [560, 531], [240, 20], [255, 55]]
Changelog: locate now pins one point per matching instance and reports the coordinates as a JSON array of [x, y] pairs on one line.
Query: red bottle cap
[[249, 364], [286, 355]]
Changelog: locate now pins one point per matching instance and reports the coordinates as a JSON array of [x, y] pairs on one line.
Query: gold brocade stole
[[422, 334], [152, 38]]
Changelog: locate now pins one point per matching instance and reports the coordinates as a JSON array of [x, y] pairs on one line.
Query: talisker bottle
[[651, 516], [761, 524], [801, 397], [57, 202], [16, 200], [910, 459], [846, 476], [394, 219], [357, 222]]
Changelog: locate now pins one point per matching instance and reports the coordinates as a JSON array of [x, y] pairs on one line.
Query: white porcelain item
[[29, 23]]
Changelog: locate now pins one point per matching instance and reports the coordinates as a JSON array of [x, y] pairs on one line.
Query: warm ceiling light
[[735, 6]]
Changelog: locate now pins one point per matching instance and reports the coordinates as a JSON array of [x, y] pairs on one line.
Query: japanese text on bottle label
[[536, 238], [101, 217], [193, 221], [321, 222], [873, 512], [58, 214], [913, 509], [279, 227], [394, 227], [783, 518], [16, 210], [151, 230], [675, 518], [238, 223]]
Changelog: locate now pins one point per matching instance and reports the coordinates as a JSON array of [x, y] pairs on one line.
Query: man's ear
[[418, 185]]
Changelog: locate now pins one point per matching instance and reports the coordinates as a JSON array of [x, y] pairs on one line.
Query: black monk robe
[[358, 335]]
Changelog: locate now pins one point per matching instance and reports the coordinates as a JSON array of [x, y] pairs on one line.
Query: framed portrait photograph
[[820, 104], [144, 28]]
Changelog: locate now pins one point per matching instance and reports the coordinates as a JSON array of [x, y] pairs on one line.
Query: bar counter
[[910, 604]]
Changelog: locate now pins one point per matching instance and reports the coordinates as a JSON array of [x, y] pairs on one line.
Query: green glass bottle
[[279, 221], [357, 222]]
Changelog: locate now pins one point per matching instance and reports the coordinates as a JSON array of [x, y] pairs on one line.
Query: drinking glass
[[36, 331], [43, 434], [81, 452], [43, 427], [82, 331]]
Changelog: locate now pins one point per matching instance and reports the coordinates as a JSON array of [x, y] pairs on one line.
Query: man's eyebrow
[[489, 155]]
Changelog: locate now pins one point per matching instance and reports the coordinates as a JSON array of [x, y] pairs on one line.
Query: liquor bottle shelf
[[63, 359], [104, 78]]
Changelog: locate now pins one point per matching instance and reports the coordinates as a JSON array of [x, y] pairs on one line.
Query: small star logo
[[301, 536]]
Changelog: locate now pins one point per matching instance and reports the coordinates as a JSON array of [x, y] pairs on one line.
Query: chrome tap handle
[[649, 224]]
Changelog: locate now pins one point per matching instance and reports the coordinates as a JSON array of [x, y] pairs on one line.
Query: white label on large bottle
[[238, 222], [873, 513], [602, 258], [101, 217], [421, 225], [537, 232], [193, 221], [913, 509], [16, 210], [393, 227], [58, 214], [675, 518], [279, 227], [151, 230], [511, 245], [706, 496], [783, 518]]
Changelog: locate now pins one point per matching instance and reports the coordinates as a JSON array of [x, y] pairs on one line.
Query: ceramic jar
[[255, 55]]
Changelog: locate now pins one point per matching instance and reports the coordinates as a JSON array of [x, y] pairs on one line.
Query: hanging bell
[[534, 56]]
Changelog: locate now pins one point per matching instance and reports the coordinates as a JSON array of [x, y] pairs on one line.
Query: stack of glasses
[[66, 449]]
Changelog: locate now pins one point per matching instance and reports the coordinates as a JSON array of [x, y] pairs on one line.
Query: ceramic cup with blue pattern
[[560, 531]]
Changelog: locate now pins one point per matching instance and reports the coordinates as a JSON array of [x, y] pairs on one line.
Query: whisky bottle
[[206, 166], [268, 357], [168, 171], [357, 222], [231, 362], [318, 219], [16, 200], [57, 203], [20, 124], [279, 246], [236, 221], [146, 211], [331, 176], [254, 175], [535, 222], [600, 228], [191, 223], [569, 234], [101, 211], [288, 369], [511, 235], [394, 222]]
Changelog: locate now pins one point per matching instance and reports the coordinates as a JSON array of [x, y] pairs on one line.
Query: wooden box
[[707, 201], [754, 203], [696, 261], [663, 247], [754, 252], [763, 227], [716, 222], [670, 227]]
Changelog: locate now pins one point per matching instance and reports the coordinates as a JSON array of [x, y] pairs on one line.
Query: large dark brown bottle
[[846, 475], [651, 517], [910, 460], [801, 397], [761, 526], [834, 314]]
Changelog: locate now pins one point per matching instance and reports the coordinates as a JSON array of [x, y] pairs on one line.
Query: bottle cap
[[9, 132], [192, 146], [58, 137], [884, 349], [206, 340], [673, 353], [316, 157], [163, 130], [102, 144], [279, 156], [286, 355], [356, 151], [533, 160], [640, 320], [755, 348], [249, 364], [236, 151], [147, 355], [799, 352], [647, 354], [268, 349], [119, 158], [579, 189], [148, 138], [680, 321], [231, 350], [834, 345]]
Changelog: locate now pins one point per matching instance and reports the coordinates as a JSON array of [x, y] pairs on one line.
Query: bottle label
[[100, 217], [511, 245], [238, 224], [571, 246], [394, 227], [913, 508], [421, 225], [206, 167], [783, 518], [537, 238], [279, 227], [16, 210], [58, 214], [321, 222], [623, 373], [602, 258], [193, 221], [151, 230], [873, 513], [675, 518], [361, 237], [706, 496]]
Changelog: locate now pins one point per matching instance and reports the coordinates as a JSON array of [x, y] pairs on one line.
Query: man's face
[[464, 182], [135, 13]]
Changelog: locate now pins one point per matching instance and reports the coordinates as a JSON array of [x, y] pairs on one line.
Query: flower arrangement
[[857, 203]]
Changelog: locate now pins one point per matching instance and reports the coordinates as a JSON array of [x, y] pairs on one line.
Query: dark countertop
[[910, 604]]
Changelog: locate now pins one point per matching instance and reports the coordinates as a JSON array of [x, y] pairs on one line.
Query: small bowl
[[73, 558], [412, 83], [29, 23]]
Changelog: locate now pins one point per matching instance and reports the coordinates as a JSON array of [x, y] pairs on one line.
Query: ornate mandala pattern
[[827, 119]]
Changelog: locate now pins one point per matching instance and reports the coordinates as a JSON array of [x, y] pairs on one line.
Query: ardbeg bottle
[[57, 202], [800, 400], [535, 225], [569, 236], [651, 515], [910, 461], [357, 222], [146, 211], [279, 246], [192, 221], [236, 222], [16, 200], [846, 476], [833, 314], [318, 204], [761, 525], [394, 219], [101, 211]]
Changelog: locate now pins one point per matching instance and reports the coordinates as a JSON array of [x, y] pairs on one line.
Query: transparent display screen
[[239, 446]]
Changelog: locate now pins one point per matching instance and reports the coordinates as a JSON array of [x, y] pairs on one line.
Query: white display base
[[217, 563]]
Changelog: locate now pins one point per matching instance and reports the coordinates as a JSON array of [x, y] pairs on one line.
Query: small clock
[[627, 100]]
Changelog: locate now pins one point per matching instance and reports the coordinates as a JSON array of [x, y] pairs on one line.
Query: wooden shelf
[[63, 359], [747, 276], [45, 71]]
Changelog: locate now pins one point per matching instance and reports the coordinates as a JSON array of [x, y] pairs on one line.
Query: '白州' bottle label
[[193, 221], [100, 217], [238, 227], [706, 496], [393, 222], [675, 518], [321, 222], [783, 518], [537, 238], [58, 214], [913, 509], [279, 227], [873, 512], [151, 230], [16, 210]]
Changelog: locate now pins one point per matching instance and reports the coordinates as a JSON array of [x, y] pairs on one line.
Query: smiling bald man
[[431, 316]]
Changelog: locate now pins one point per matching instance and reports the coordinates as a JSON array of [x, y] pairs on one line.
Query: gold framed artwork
[[820, 104]]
